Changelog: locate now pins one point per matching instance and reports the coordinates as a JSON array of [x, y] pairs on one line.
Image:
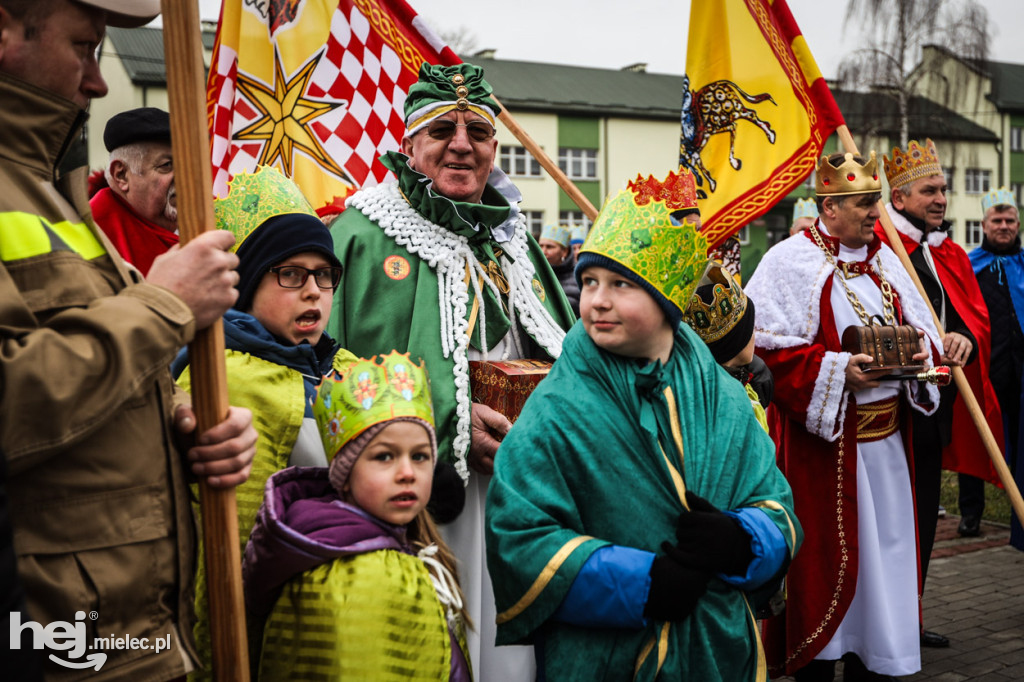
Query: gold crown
[[717, 305], [848, 178], [918, 162]]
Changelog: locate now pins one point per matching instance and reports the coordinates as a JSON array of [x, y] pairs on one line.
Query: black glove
[[675, 588], [448, 495], [710, 540]]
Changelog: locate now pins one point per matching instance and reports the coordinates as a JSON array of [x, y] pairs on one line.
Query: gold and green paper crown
[[636, 230], [918, 162], [849, 177], [717, 304], [370, 392], [805, 208], [254, 198], [998, 197]]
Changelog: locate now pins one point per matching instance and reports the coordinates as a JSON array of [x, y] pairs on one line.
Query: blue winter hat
[[589, 259]]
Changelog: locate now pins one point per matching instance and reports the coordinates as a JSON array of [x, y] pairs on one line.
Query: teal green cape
[[389, 297], [593, 461]]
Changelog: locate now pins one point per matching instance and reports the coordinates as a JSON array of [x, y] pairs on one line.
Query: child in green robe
[[636, 516]]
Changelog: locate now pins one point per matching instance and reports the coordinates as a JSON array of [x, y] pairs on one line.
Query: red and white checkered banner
[[314, 87]]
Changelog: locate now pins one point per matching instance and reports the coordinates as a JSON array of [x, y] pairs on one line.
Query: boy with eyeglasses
[[276, 348]]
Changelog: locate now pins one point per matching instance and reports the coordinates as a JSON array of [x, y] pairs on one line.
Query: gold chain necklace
[[888, 309]]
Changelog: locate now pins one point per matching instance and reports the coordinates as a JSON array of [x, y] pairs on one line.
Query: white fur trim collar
[[786, 289], [935, 237]]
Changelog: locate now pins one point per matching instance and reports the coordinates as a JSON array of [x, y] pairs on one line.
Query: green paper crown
[[370, 392], [254, 198], [635, 229]]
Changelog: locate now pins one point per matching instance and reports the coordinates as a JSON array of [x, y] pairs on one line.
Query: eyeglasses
[[295, 276], [444, 129]]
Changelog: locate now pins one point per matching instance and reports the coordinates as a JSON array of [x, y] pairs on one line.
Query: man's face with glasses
[[293, 300], [457, 152]]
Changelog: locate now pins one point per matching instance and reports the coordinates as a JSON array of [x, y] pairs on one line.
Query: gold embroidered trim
[[762, 661], [878, 420], [542, 580], [677, 437], [662, 641], [644, 652], [844, 558], [772, 504], [662, 647]]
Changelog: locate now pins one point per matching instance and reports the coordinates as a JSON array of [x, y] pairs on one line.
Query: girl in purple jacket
[[345, 569]]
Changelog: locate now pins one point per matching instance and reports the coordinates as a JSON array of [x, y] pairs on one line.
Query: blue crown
[[997, 197]]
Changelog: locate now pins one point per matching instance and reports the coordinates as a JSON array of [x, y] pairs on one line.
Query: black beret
[[147, 124]]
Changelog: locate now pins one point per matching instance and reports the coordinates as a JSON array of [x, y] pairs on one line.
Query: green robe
[[583, 468], [389, 295]]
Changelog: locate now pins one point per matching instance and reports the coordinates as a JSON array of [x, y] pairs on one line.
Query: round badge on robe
[[396, 267], [538, 289]]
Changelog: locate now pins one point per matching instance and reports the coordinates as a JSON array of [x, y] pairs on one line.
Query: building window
[[1015, 189], [976, 180], [973, 232], [948, 172], [1017, 139], [573, 219], [518, 162], [534, 222], [578, 164], [743, 236]]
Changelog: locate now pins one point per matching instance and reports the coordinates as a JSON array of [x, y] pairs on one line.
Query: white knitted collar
[[449, 255]]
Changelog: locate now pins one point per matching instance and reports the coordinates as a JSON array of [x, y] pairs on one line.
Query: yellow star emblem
[[285, 118]]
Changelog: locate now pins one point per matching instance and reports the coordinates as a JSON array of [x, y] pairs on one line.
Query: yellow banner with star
[[315, 88]]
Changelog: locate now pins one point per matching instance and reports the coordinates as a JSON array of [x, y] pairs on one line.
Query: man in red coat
[[918, 210], [840, 433], [138, 211]]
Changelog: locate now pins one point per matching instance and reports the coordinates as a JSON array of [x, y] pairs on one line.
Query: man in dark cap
[[98, 491], [138, 209], [440, 264]]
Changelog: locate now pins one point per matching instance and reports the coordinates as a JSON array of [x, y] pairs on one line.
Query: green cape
[[582, 468]]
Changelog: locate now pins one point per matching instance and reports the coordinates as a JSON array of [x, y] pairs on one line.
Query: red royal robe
[[797, 337]]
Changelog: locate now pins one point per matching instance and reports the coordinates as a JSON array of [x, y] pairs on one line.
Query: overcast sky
[[614, 33]]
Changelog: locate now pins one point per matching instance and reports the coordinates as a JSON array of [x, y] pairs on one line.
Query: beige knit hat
[[127, 13]]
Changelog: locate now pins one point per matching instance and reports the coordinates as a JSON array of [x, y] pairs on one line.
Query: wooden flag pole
[[546, 163], [1005, 477], [193, 180]]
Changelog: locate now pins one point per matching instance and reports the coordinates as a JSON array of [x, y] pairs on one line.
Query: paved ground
[[974, 596]]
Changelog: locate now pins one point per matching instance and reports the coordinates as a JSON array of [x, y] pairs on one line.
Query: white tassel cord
[[444, 583]]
